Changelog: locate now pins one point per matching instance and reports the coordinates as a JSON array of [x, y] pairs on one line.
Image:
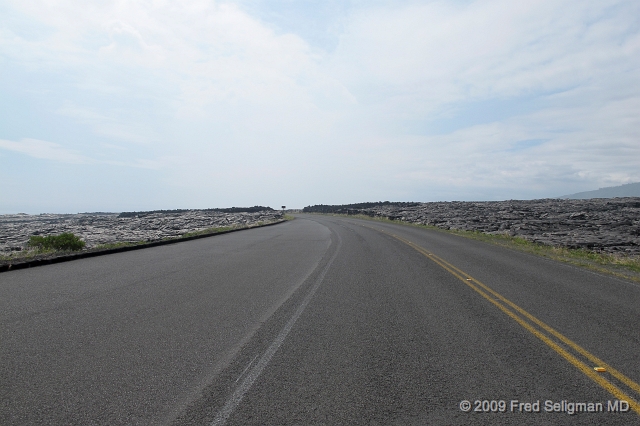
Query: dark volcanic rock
[[607, 225], [96, 229]]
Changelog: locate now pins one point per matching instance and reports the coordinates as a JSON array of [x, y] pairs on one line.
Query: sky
[[139, 105]]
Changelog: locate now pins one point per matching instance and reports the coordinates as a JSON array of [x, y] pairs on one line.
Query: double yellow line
[[542, 331]]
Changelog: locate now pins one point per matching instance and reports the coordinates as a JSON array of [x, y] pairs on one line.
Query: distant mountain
[[628, 190]]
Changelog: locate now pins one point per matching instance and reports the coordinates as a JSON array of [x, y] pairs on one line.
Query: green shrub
[[63, 242]]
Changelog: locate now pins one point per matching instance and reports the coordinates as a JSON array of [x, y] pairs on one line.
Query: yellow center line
[[486, 292], [615, 373]]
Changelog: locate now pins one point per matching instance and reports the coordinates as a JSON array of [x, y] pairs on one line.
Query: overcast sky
[[139, 105]]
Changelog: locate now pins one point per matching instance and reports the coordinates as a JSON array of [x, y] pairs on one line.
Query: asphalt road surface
[[320, 320]]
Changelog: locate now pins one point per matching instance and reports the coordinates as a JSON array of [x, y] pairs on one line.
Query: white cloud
[[118, 126], [52, 151], [438, 53], [45, 150], [209, 90], [197, 59]]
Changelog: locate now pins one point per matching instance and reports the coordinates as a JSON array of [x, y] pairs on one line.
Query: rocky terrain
[[102, 228], [605, 225]]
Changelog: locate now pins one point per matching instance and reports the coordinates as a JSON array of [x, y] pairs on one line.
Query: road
[[320, 320]]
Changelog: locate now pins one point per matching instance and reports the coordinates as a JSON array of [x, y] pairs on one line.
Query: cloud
[[45, 150], [55, 152], [437, 53], [118, 126], [421, 99], [193, 61], [573, 65]]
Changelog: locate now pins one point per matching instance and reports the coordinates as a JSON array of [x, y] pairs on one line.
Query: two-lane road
[[321, 320]]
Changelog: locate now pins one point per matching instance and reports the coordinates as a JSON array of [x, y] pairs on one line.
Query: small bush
[[62, 242]]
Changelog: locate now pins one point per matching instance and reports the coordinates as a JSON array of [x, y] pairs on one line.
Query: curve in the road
[[320, 320], [545, 333]]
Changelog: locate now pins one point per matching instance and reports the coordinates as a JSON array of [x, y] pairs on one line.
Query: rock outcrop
[[604, 225], [103, 228]]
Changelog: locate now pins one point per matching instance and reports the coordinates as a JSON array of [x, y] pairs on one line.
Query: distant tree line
[[176, 211], [353, 208]]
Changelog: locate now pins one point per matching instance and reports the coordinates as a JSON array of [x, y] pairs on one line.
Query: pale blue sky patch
[[16, 24], [319, 23], [466, 114], [526, 144]]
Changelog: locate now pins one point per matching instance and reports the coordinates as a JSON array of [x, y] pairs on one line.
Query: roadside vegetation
[[109, 246], [210, 231], [55, 245], [207, 231], [618, 265], [41, 246], [63, 242], [24, 255]]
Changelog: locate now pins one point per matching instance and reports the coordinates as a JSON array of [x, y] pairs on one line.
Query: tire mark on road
[[236, 398]]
